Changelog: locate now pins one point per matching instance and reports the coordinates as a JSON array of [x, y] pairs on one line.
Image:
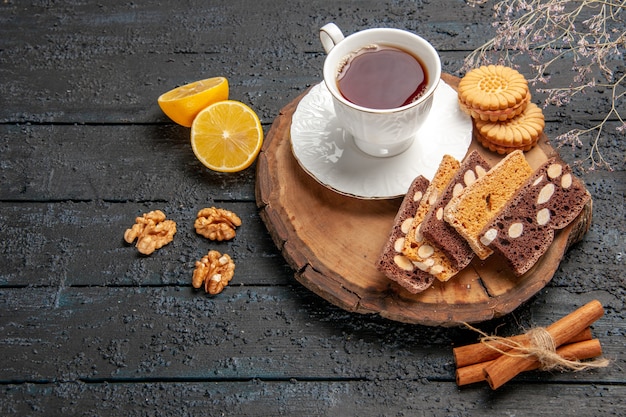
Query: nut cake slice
[[425, 255], [391, 261], [436, 230], [550, 200], [480, 202]]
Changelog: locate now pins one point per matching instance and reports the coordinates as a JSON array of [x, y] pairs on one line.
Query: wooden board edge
[[396, 308]]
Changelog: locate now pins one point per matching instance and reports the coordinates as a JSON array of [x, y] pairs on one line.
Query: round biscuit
[[496, 115], [519, 131], [503, 149], [492, 88]]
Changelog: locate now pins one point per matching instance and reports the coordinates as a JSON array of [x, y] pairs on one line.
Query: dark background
[[90, 327]]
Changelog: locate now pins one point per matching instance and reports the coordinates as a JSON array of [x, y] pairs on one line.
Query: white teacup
[[379, 132]]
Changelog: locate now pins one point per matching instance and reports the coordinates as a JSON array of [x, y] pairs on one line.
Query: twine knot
[[541, 347]]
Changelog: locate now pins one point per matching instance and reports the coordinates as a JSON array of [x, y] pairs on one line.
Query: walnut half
[[216, 223], [214, 271], [152, 232]]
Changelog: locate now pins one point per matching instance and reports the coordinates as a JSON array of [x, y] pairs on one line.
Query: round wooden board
[[333, 241]]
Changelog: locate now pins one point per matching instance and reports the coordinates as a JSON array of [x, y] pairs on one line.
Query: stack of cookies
[[498, 100]]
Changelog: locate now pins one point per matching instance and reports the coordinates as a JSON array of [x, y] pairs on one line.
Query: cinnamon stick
[[487, 351], [580, 350], [506, 367]]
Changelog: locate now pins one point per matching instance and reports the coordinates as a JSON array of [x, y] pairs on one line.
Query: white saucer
[[330, 156]]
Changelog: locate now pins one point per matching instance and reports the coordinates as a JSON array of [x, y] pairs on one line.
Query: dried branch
[[590, 34]]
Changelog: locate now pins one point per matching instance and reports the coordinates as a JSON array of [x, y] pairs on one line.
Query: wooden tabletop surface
[[88, 326]]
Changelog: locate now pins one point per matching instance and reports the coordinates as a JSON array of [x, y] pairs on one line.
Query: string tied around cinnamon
[[541, 347]]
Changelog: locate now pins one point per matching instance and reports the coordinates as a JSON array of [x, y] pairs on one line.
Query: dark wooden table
[[90, 327]]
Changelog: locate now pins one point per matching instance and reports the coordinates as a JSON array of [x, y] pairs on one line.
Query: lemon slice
[[226, 136], [183, 103]]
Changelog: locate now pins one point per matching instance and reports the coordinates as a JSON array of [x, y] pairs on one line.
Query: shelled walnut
[[214, 271], [216, 223], [152, 232]]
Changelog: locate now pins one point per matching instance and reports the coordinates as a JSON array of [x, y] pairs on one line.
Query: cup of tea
[[382, 82]]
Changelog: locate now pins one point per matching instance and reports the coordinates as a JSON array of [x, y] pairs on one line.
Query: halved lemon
[[183, 103], [227, 136]]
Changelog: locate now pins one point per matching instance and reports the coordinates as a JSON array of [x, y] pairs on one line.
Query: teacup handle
[[330, 35]]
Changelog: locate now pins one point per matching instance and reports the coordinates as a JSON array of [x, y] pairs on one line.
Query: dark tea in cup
[[381, 77], [383, 109]]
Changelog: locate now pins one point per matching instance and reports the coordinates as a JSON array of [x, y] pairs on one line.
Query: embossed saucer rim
[[328, 154]]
